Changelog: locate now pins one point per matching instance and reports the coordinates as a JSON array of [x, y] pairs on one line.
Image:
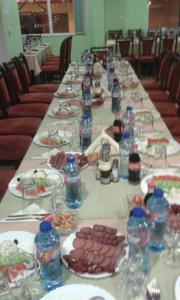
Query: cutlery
[[26, 217]]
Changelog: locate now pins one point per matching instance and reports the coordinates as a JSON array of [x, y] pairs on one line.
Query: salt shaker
[[115, 170]]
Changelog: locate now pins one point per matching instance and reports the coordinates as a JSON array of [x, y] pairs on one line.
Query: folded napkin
[[31, 209], [98, 69], [95, 147], [48, 153], [106, 92]]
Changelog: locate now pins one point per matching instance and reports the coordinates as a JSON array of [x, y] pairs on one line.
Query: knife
[[25, 217]]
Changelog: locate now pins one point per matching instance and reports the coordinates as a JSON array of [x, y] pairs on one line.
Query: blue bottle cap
[[70, 159], [138, 212], [129, 108], [158, 193], [125, 135], [85, 116], [45, 226]]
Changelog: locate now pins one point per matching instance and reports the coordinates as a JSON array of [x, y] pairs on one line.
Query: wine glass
[[161, 153], [24, 278], [132, 277], [172, 237]]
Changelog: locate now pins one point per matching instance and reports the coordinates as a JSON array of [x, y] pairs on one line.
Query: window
[[50, 16]]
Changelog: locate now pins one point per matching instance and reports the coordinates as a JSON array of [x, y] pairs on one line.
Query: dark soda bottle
[[117, 128], [134, 166], [151, 186]]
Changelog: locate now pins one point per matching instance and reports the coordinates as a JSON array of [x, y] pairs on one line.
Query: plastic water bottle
[[124, 155], [157, 207], [89, 63], [110, 78], [109, 60], [87, 102], [85, 131], [73, 183], [115, 96], [128, 122], [138, 234], [47, 243]]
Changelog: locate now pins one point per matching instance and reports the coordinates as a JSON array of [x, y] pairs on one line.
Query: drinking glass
[[24, 279], [131, 279], [5, 290], [172, 236], [161, 154]]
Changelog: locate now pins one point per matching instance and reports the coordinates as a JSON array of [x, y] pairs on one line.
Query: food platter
[[65, 94], [57, 161], [52, 138], [92, 259], [177, 288], [78, 292], [46, 178], [25, 246], [169, 183], [63, 111], [149, 144], [142, 114]]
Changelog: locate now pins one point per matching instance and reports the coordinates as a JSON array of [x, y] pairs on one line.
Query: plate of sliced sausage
[[94, 252], [57, 161]]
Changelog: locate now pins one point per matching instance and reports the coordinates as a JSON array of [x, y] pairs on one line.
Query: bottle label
[[116, 129], [48, 255], [134, 166], [86, 132], [72, 180], [157, 218]]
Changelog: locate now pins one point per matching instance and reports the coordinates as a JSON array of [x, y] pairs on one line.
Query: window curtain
[[79, 12]]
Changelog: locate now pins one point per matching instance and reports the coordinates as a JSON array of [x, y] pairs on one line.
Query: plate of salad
[[43, 180]]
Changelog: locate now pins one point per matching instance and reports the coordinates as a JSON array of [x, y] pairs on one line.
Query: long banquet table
[[103, 204], [35, 57]]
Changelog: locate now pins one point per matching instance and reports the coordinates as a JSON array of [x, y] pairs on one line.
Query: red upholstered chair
[[147, 53], [168, 43], [126, 49], [13, 149], [169, 84], [57, 69], [26, 80], [100, 53], [171, 108], [162, 68], [7, 103], [17, 88], [115, 34], [16, 126], [5, 176]]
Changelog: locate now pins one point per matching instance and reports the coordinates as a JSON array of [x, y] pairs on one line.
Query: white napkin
[[106, 92], [96, 145], [48, 154], [31, 209], [98, 69]]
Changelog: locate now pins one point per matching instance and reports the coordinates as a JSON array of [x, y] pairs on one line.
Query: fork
[[155, 293]]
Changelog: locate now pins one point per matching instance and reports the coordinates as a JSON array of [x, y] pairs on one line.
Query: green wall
[[125, 14], [12, 41], [94, 30], [100, 16]]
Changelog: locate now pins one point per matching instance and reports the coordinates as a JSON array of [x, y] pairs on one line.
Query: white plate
[[77, 292], [155, 113], [172, 147], [144, 186], [61, 133], [25, 239], [25, 242], [67, 246], [177, 288], [13, 183], [71, 95], [55, 109]]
